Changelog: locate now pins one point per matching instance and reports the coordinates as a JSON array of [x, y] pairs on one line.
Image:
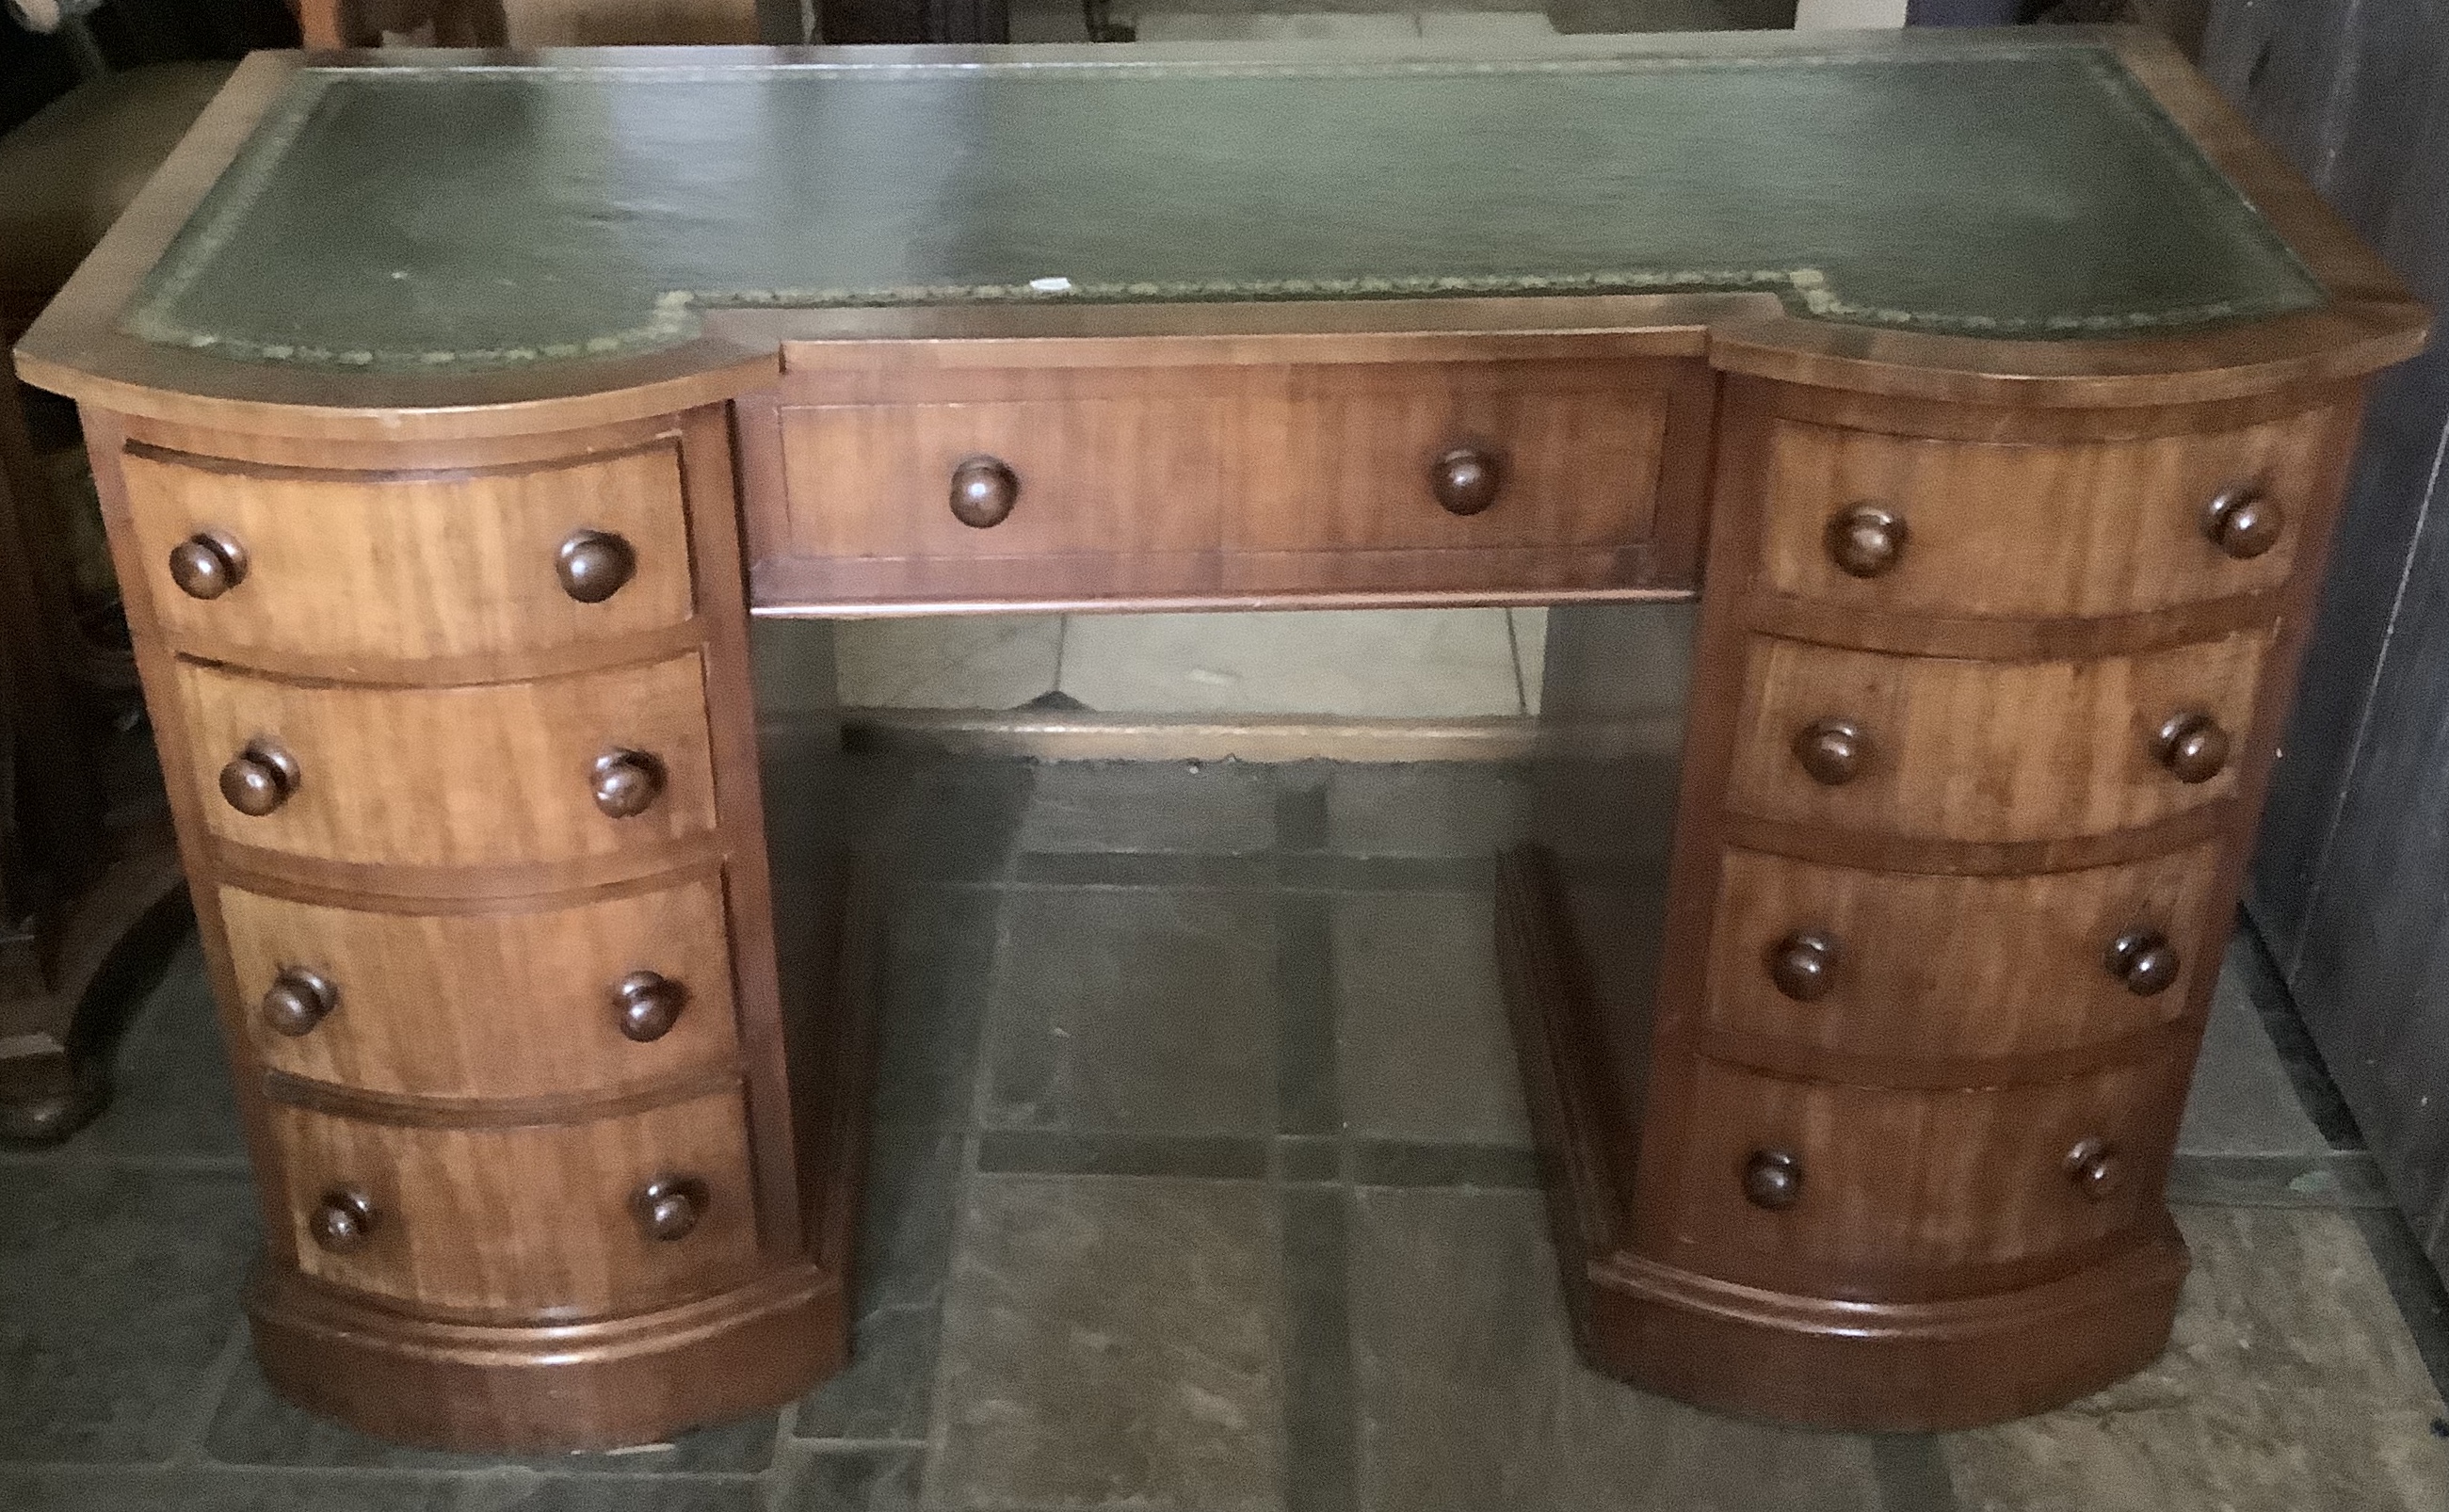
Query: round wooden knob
[[2145, 961], [627, 783], [208, 564], [1803, 965], [260, 779], [651, 1003], [984, 491], [669, 1206], [1772, 1179], [1466, 480], [299, 999], [2242, 522], [344, 1220], [594, 564], [2193, 746], [1866, 541], [1831, 751], [2095, 1169]]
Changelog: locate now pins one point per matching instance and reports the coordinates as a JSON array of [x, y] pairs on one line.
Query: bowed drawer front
[[287, 567]]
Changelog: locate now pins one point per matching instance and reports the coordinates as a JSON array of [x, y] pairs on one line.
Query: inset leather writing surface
[[426, 216], [499, 1006]]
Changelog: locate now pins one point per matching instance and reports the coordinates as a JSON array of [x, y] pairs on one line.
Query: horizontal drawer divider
[[314, 879], [1793, 1062], [610, 654], [2067, 638], [281, 885], [1873, 851], [521, 1113]]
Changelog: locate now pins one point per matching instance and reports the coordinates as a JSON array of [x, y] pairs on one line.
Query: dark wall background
[[2350, 890]]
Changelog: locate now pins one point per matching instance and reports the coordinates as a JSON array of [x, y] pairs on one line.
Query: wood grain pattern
[[353, 574], [489, 1005], [471, 776], [1949, 976], [1912, 1195], [531, 1224], [2034, 530], [1985, 752]]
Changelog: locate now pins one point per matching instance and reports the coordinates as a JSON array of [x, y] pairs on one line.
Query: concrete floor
[[1201, 1186]]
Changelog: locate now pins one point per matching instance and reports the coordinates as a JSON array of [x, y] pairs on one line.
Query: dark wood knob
[[2242, 522], [260, 779], [2193, 746], [299, 999], [1466, 480], [208, 564], [594, 564], [344, 1220], [669, 1206], [651, 1003], [984, 491], [1866, 541], [627, 783], [1803, 965], [2095, 1169], [1772, 1179], [2145, 961], [1831, 751]]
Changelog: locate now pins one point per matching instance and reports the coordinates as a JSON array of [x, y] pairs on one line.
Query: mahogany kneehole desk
[[453, 413]]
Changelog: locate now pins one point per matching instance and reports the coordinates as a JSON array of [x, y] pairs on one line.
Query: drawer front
[[1898, 971], [1908, 1193], [1097, 474], [409, 566], [2039, 530], [1956, 750], [1574, 449], [502, 774], [542, 1005], [539, 1223]]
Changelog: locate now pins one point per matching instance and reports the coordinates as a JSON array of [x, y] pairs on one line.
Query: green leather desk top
[[438, 215]]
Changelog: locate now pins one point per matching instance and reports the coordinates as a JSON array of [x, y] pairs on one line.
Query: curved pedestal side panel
[[589, 1385]]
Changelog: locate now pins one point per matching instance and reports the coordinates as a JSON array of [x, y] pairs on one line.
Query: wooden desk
[[448, 447]]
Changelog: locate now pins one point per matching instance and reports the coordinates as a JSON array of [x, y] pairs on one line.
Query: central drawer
[[1395, 456]]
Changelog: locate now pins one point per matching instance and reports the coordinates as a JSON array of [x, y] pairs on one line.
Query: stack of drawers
[[451, 812], [1963, 850]]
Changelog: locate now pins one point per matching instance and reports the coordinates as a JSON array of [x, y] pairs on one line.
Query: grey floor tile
[[118, 1289], [1110, 1343], [1131, 1011], [1422, 1051], [211, 1488], [1208, 808], [2243, 1102], [887, 1389], [255, 1427], [906, 1215], [937, 971], [1320, 1396], [2291, 1385], [170, 1081], [1058, 1151], [1426, 808], [1472, 1398], [861, 1480], [947, 820]]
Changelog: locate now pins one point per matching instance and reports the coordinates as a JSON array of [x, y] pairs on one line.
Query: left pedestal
[[460, 745]]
